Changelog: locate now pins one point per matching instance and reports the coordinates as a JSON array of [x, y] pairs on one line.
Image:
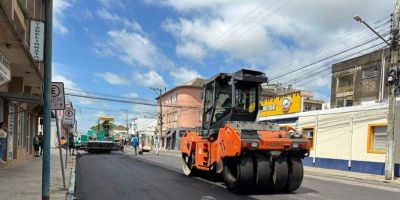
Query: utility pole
[[127, 119], [47, 99], [159, 93], [392, 84]]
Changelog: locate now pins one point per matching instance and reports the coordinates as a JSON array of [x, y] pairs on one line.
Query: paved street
[[125, 176]]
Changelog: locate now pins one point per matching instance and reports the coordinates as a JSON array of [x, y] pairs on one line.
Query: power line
[[256, 23], [323, 59], [239, 21], [332, 45], [318, 72], [127, 101], [105, 94]]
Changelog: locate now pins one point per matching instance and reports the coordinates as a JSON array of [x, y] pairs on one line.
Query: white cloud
[[87, 14], [190, 50], [150, 79], [183, 75], [112, 3], [112, 78], [185, 5], [69, 85], [59, 7], [271, 36], [131, 95], [132, 48], [115, 19]]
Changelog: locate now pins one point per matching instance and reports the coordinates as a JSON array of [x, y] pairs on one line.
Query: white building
[[348, 138], [145, 128]]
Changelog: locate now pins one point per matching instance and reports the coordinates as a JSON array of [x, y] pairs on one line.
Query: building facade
[[348, 138], [360, 80], [145, 128], [181, 108], [21, 76]]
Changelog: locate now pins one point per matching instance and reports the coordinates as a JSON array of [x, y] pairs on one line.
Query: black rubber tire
[[188, 163], [263, 173], [239, 174], [296, 173], [280, 174]]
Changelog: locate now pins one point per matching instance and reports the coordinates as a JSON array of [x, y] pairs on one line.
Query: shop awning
[[22, 98]]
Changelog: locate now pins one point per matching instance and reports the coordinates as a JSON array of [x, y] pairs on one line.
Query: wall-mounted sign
[[11, 123], [57, 96], [5, 74], [69, 116], [279, 105], [37, 40]]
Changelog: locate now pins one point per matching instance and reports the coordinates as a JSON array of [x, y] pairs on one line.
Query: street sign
[[5, 74], [69, 116], [57, 96], [37, 40]]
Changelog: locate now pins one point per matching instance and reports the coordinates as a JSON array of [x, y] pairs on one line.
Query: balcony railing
[[345, 89], [4, 60]]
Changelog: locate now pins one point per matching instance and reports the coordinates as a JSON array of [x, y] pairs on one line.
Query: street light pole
[[359, 19], [159, 93], [392, 84]]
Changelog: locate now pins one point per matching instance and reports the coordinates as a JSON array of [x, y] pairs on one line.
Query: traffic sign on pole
[[69, 116], [57, 96]]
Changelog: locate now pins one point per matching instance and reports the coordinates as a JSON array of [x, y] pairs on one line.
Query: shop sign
[[5, 74], [279, 105], [37, 40]]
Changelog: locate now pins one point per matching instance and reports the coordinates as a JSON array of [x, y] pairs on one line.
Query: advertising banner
[[280, 105]]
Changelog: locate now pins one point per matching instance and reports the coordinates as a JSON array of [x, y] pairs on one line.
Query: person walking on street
[[3, 141], [41, 142], [135, 143], [36, 144], [71, 144]]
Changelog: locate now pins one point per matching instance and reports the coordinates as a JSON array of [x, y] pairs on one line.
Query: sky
[[124, 47]]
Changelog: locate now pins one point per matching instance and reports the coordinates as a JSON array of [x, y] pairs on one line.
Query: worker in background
[[122, 144], [3, 141], [36, 144], [135, 143], [157, 143], [71, 144], [41, 142]]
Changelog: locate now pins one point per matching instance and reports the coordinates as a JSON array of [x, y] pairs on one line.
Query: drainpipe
[[351, 141], [315, 138]]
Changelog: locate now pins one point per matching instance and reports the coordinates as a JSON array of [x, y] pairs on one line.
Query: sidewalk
[[25, 180], [319, 171]]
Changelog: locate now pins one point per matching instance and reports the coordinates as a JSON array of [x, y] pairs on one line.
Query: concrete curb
[[71, 189]]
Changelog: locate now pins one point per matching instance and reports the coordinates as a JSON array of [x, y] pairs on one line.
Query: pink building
[[181, 110]]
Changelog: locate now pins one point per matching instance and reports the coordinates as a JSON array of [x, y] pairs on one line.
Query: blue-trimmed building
[[348, 138]]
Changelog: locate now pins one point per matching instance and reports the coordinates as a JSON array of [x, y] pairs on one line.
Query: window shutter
[[370, 73], [379, 142]]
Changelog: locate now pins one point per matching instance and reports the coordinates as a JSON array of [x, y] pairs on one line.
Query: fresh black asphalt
[[125, 176]]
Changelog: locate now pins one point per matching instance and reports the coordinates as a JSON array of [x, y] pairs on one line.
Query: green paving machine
[[103, 139]]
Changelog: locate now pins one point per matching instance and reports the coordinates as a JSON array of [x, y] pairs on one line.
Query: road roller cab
[[250, 154]]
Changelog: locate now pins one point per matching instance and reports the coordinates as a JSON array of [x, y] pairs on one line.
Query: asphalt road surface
[[125, 176]]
